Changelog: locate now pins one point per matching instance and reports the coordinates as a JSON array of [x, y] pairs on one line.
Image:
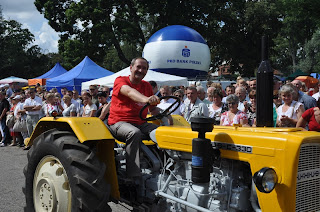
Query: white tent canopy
[[159, 78]]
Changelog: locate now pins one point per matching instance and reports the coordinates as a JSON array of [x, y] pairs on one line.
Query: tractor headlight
[[265, 179]]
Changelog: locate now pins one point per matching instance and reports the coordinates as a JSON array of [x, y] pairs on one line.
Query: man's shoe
[[26, 148], [3, 145]]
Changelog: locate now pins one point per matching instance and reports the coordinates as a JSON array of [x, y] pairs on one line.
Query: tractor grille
[[308, 180]]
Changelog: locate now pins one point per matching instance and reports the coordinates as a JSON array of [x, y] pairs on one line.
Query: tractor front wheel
[[64, 175]]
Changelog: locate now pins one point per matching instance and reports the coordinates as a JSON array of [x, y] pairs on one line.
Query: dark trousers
[[6, 134]]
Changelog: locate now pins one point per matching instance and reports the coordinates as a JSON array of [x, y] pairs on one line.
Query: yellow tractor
[[74, 164]]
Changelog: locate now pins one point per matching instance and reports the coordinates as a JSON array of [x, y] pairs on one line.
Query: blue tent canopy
[[86, 70], [57, 70]]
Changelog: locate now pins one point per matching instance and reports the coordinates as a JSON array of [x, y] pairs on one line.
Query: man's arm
[[3, 113], [137, 96]]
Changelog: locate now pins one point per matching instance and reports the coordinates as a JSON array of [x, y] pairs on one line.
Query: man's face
[[93, 91], [296, 83], [229, 91], [253, 84], [201, 95], [32, 94], [164, 92], [192, 95], [138, 70], [64, 91], [75, 94], [241, 94]]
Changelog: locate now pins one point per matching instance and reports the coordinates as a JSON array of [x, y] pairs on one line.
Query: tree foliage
[[18, 57]]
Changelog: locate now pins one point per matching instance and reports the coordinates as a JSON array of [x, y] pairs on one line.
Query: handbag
[[20, 126], [10, 120]]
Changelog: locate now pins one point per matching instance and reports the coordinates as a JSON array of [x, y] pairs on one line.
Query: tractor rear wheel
[[63, 175]]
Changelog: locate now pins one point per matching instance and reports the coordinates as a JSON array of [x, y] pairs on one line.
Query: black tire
[[86, 188]]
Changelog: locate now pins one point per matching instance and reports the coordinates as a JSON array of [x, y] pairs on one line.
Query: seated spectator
[[69, 109], [89, 109], [217, 107], [290, 111], [233, 115]]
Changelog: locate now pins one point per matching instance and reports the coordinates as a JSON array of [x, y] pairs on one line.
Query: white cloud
[[25, 12], [47, 38]]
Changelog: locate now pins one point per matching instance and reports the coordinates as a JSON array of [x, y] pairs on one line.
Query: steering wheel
[[166, 112]]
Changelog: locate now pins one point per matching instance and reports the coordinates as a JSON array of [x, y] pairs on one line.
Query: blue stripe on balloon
[[177, 32], [181, 72]]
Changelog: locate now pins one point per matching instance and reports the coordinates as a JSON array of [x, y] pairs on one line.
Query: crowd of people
[[20, 110], [294, 106]]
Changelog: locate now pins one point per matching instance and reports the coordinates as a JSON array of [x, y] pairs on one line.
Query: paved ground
[[12, 162]]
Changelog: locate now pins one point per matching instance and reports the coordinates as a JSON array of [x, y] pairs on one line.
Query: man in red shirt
[[130, 94]]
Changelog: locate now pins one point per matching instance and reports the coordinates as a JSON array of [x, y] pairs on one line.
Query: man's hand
[[153, 100]]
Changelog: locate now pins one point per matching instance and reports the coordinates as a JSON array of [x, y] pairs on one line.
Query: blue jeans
[[6, 133]]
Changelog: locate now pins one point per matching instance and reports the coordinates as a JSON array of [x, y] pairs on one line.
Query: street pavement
[[12, 161]]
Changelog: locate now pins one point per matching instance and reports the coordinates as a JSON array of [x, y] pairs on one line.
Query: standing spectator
[[307, 101], [15, 135], [210, 94], [64, 91], [9, 91], [242, 95], [104, 107], [218, 107], [310, 117], [51, 105], [202, 95], [32, 106], [230, 89], [93, 90], [180, 94], [89, 108], [106, 90], [251, 111], [253, 83], [69, 109], [4, 108], [76, 101], [233, 115], [316, 92], [290, 111], [194, 107], [155, 88], [21, 114], [167, 102]]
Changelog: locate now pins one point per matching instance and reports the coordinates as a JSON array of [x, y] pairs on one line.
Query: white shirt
[[88, 108], [164, 104], [33, 102], [316, 96]]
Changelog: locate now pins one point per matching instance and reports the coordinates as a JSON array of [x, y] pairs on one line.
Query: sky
[[25, 12]]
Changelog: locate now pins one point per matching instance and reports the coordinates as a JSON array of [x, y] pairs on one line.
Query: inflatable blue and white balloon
[[178, 50]]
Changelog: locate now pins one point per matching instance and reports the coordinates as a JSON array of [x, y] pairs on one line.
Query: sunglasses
[[178, 96], [231, 103], [275, 97]]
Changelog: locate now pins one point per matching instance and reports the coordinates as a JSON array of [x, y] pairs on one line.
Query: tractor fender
[[85, 128]]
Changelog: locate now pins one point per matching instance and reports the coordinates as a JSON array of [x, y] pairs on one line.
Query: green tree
[[310, 61], [299, 20], [18, 56]]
